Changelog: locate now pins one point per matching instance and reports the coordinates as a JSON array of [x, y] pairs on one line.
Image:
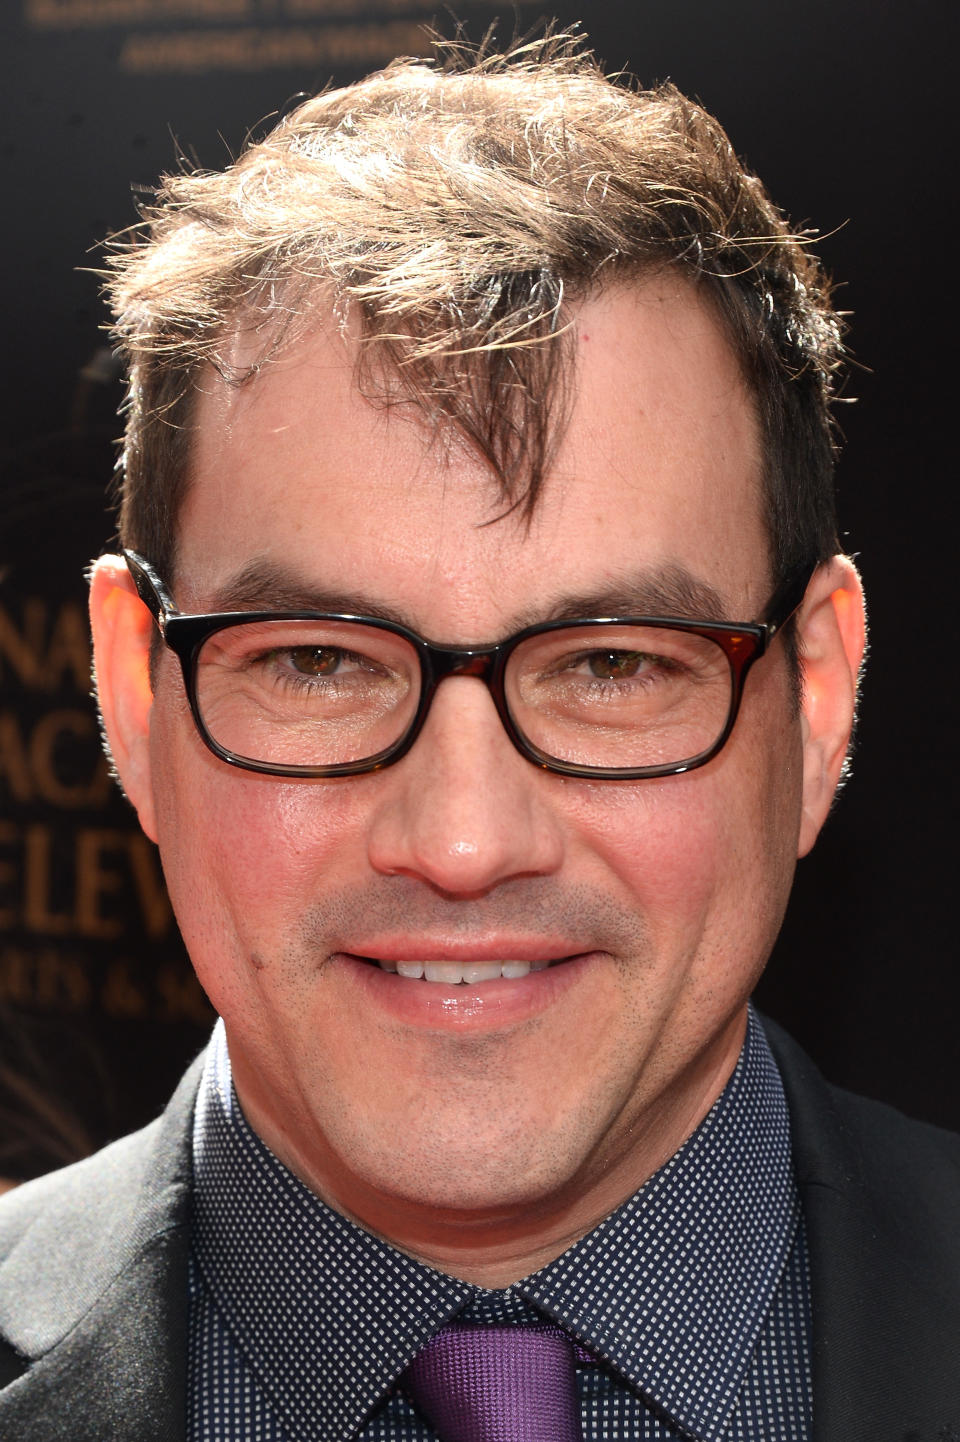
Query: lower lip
[[478, 1006]]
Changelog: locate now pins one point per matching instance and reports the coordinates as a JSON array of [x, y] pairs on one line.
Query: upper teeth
[[453, 972]]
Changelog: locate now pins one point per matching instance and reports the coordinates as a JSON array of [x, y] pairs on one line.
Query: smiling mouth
[[468, 973]]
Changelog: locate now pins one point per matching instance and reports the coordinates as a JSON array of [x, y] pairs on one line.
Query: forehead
[[299, 475]]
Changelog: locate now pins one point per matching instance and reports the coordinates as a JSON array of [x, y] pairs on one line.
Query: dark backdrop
[[843, 106]]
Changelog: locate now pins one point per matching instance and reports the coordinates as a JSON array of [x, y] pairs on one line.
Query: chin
[[469, 1175]]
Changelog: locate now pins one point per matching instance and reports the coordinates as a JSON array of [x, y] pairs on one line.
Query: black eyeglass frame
[[743, 643]]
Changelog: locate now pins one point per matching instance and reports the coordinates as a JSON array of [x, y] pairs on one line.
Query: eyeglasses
[[309, 694]]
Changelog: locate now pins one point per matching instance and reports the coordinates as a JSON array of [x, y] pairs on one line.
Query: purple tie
[[498, 1384]]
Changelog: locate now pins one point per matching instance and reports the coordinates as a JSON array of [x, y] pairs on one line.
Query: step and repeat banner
[[843, 111]]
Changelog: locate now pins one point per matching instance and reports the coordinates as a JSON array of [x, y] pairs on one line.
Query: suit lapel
[[120, 1372], [103, 1255], [881, 1201]]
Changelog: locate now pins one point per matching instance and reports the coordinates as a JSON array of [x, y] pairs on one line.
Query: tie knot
[[497, 1384]]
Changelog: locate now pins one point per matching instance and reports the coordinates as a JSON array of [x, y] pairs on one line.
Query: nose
[[463, 811]]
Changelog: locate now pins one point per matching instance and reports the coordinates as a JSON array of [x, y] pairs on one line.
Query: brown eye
[[615, 665], [315, 660]]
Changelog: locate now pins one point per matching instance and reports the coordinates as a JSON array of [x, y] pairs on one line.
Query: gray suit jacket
[[93, 1282]]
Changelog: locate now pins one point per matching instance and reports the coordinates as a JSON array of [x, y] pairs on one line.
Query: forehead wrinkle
[[668, 590]]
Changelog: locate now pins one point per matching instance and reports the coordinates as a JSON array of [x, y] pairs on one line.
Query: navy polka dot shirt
[[693, 1297]]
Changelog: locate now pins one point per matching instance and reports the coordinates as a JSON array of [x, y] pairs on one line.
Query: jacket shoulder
[[881, 1200], [910, 1171], [66, 1237], [117, 1169], [838, 1132], [894, 1136]]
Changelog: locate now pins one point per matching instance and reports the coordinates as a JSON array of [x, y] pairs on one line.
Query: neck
[[494, 1243]]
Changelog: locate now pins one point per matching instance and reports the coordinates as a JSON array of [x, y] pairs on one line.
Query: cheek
[[243, 855], [706, 859], [664, 843]]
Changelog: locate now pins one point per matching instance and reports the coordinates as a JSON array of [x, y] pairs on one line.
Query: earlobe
[[122, 634], [832, 636]]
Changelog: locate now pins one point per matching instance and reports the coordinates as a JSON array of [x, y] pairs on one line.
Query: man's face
[[554, 1094]]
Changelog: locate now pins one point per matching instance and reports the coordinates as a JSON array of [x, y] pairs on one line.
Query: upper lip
[[464, 949]]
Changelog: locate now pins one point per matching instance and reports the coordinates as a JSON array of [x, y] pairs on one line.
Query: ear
[[122, 634], [831, 632]]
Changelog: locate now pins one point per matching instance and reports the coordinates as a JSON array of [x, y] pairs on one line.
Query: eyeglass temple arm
[[150, 589], [788, 597]]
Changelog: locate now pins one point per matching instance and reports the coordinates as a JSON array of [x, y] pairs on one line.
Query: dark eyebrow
[[267, 586], [669, 590]]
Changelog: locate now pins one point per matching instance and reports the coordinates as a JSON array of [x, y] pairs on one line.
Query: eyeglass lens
[[329, 693]]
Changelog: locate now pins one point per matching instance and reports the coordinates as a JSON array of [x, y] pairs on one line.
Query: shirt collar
[[671, 1289]]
